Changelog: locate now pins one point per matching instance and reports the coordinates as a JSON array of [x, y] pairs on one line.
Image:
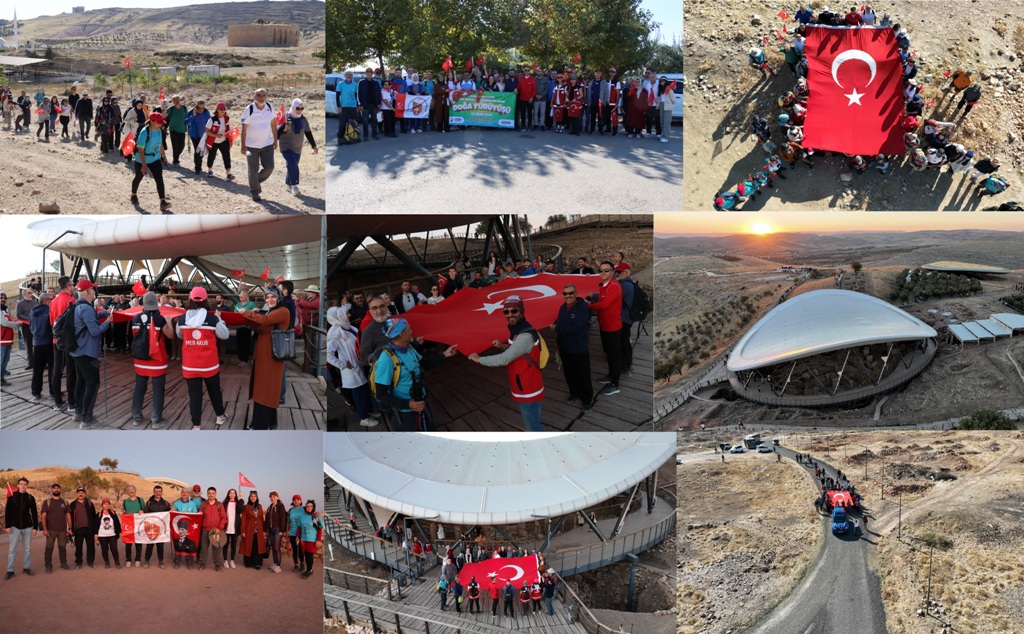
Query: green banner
[[492, 110]]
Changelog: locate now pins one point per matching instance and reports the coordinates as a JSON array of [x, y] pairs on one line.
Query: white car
[[680, 79], [738, 449], [331, 80], [764, 449]]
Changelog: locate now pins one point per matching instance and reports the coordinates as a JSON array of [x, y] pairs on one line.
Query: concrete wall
[[263, 35]]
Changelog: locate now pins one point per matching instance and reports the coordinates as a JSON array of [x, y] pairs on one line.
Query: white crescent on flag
[[519, 571], [543, 291], [846, 56]]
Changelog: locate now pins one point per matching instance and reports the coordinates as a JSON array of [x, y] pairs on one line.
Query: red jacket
[[58, 306], [214, 515], [527, 88], [524, 374], [609, 307], [199, 358]]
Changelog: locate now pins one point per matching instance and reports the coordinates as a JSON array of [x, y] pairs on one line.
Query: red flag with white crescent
[[442, 281], [280, 118], [185, 533], [519, 570], [230, 318], [237, 272], [244, 481], [473, 318], [146, 528], [138, 288], [266, 274], [447, 65], [127, 62], [10, 490], [856, 92], [161, 97], [783, 15]]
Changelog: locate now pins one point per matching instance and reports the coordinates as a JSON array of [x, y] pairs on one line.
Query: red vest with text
[[524, 373], [157, 363], [199, 349]]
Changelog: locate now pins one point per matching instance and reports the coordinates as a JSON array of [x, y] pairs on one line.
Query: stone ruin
[[253, 35]]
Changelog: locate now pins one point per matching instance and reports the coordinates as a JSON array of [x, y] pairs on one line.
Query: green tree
[[109, 463], [358, 30], [555, 219], [666, 58], [49, 54], [986, 419], [87, 477], [118, 487], [856, 266]]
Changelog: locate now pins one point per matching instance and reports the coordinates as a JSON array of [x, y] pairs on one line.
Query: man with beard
[[56, 519], [83, 518], [521, 358], [156, 504]]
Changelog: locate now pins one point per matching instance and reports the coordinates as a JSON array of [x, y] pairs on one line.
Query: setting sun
[[761, 228]]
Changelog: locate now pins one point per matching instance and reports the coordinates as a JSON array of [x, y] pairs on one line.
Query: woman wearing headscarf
[[54, 112], [104, 126], [341, 353], [43, 117], [289, 139], [217, 129], [267, 372], [666, 102], [310, 532], [253, 543], [416, 88], [133, 122]]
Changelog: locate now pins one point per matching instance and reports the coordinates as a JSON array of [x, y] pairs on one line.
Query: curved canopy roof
[[490, 479], [822, 321], [964, 267]]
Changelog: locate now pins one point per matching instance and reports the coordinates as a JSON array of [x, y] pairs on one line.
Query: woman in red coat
[[635, 110], [267, 372], [254, 540]]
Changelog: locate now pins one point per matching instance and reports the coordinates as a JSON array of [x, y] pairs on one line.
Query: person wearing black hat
[[156, 504], [521, 358], [56, 520], [83, 518]]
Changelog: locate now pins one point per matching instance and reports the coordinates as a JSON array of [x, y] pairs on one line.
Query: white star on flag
[[490, 308], [854, 97]]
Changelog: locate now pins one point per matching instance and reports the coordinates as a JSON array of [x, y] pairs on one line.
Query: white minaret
[[15, 28]]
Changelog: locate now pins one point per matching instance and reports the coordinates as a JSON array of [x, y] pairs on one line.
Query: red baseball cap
[[622, 266], [197, 294], [159, 118], [84, 285], [297, 497]]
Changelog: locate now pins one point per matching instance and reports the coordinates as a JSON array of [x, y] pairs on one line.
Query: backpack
[[252, 107], [544, 354], [351, 132], [373, 365], [140, 343], [64, 330], [641, 306]]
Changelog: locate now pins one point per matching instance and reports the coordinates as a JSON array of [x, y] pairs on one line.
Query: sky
[[668, 12], [56, 7], [287, 462], [697, 223]]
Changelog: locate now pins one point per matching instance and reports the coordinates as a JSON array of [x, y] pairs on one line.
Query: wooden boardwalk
[[468, 397], [305, 399]]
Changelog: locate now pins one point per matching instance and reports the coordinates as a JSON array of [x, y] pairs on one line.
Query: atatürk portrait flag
[[855, 80]]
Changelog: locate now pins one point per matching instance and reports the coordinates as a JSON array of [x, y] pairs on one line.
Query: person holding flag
[[149, 328], [267, 372], [290, 135], [149, 159], [218, 138], [199, 361], [259, 140]]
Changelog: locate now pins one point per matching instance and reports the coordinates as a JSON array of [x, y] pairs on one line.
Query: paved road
[[499, 171], [840, 595]]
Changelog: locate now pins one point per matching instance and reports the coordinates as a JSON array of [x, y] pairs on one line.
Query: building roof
[[488, 479], [1012, 321], [964, 267], [9, 61], [822, 321]]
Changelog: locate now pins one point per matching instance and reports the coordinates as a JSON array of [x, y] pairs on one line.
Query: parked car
[[331, 82], [738, 449], [680, 79], [764, 449]]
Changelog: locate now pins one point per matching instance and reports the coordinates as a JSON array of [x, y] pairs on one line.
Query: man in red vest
[[151, 325], [7, 326], [62, 358], [521, 358], [607, 303]]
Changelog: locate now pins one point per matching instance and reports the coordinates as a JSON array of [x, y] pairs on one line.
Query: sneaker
[[296, 191], [127, 564], [605, 379], [629, 136], [610, 389], [79, 566], [216, 567], [164, 205], [201, 566], [136, 421], [196, 427], [49, 570], [222, 419], [176, 565], [65, 567], [70, 411], [369, 422], [256, 198], [276, 569], [664, 140], [232, 564], [162, 565], [117, 565], [92, 565], [27, 571], [158, 423], [231, 177], [307, 575], [145, 565], [36, 398], [209, 173], [572, 400], [106, 564], [58, 407], [78, 417], [10, 575], [587, 407]]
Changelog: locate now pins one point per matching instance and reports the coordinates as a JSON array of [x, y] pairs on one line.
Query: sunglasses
[[381, 307], [511, 311], [568, 294], [606, 270], [301, 108]]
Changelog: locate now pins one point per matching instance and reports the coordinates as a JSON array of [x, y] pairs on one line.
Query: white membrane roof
[[964, 267], [458, 480], [1010, 320], [823, 321]]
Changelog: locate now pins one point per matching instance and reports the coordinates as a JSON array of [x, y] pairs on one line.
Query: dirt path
[[723, 93], [957, 490]]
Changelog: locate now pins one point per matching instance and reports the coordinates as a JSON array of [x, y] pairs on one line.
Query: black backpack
[[64, 330], [641, 306], [140, 342]]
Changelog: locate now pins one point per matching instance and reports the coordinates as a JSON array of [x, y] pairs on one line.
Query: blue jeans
[[24, 535], [291, 162], [284, 383], [5, 357], [551, 609], [531, 415]]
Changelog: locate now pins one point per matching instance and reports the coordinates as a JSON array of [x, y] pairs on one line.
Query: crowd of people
[[928, 142], [72, 347], [563, 102], [378, 364], [227, 528], [141, 132]]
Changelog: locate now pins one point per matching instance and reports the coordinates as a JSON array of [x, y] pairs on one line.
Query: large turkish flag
[[856, 91], [518, 570], [169, 312], [473, 318]]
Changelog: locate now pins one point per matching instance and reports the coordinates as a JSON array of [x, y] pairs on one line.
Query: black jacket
[[368, 93], [90, 512], [152, 506], [21, 511]]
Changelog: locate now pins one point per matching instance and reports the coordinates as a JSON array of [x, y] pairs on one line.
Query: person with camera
[[521, 358], [267, 372], [398, 375]]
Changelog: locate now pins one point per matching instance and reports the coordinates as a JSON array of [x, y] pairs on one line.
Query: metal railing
[[374, 548], [316, 342], [361, 583], [576, 560], [379, 617]]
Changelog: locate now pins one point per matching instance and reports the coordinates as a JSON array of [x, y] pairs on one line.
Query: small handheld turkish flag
[[856, 92], [10, 490], [783, 15], [161, 97], [266, 274], [244, 481], [442, 281], [233, 133], [469, 64], [447, 65], [138, 288], [128, 145], [280, 115], [237, 272], [127, 62], [480, 61], [577, 58]]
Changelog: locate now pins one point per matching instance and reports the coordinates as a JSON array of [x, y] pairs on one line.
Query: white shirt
[[260, 130], [106, 525], [230, 510]]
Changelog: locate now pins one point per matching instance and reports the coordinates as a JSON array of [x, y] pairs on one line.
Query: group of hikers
[[928, 143], [564, 102], [141, 132]]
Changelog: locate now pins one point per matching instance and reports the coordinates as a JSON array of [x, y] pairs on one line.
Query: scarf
[[297, 120]]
